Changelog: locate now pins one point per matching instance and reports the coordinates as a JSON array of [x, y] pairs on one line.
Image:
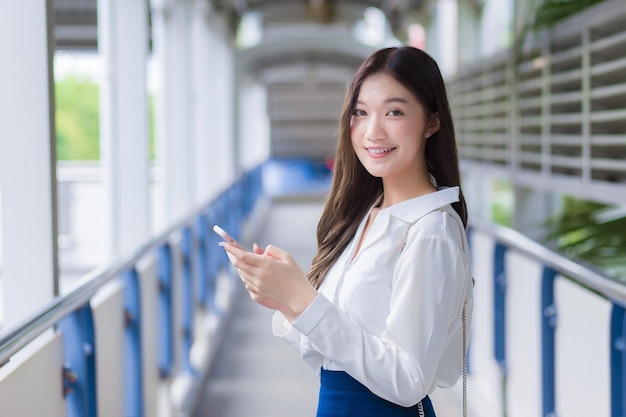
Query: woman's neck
[[395, 192]]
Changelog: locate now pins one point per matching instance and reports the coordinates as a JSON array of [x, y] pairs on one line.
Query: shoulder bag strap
[[464, 364]]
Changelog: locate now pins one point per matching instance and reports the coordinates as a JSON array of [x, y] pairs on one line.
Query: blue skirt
[[343, 396]]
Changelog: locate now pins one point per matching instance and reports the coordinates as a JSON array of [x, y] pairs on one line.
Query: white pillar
[[447, 36], [254, 124], [477, 187], [497, 26], [532, 208], [123, 45], [224, 94], [203, 106], [171, 38], [468, 31], [27, 159]]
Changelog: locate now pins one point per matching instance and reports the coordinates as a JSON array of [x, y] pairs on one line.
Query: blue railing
[[618, 361], [200, 261], [552, 266], [188, 262]]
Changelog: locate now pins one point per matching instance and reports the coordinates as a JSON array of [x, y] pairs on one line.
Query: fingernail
[[222, 244]]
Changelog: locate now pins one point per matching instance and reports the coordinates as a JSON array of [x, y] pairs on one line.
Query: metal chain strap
[[464, 365]]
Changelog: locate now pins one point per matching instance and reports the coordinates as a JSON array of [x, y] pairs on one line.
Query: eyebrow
[[390, 100]]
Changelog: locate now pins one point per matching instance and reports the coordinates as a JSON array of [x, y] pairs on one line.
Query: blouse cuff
[[312, 315], [283, 329]]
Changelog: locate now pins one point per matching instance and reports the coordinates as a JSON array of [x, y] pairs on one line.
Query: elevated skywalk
[[189, 350], [256, 374], [137, 336]]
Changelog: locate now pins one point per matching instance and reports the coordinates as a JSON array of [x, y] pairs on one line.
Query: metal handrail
[[20, 335], [578, 271]]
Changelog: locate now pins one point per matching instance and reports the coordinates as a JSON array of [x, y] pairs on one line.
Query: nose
[[375, 130]]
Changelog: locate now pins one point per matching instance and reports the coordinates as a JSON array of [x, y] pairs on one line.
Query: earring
[[427, 135]]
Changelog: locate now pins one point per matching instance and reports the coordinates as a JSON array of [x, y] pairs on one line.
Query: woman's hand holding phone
[[227, 238], [271, 276]]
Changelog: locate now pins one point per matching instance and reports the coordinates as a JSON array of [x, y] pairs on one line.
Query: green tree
[[593, 232], [77, 119], [549, 12]]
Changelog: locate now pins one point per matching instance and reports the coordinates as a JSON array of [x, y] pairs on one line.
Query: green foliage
[[502, 206], [591, 231], [548, 12], [77, 119]]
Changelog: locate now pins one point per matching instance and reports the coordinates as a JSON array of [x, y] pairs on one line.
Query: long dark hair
[[353, 189]]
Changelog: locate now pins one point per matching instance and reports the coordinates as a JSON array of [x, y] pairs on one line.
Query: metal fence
[[135, 338], [550, 112], [549, 334]]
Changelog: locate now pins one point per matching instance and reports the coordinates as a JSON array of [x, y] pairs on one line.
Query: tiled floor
[[255, 374]]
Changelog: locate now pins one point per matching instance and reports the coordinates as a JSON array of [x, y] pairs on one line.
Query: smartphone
[[227, 238]]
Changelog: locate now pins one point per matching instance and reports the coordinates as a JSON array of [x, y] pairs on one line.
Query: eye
[[395, 113], [359, 113]]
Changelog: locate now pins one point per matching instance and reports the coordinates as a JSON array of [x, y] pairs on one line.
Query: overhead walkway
[[164, 329], [170, 331], [255, 373]]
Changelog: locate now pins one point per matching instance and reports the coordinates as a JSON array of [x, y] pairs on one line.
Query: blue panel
[[187, 298], [248, 192], [548, 326], [618, 361], [223, 211], [622, 394], [214, 255], [79, 381], [202, 276], [254, 188], [288, 176], [133, 369], [165, 318], [499, 312], [232, 211]]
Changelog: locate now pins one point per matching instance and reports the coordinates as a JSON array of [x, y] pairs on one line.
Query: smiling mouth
[[379, 151]]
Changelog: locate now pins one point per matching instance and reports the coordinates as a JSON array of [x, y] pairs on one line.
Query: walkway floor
[[255, 374]]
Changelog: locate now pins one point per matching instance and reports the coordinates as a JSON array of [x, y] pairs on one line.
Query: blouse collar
[[408, 211], [413, 209]]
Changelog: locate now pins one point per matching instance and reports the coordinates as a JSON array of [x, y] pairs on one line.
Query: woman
[[380, 313]]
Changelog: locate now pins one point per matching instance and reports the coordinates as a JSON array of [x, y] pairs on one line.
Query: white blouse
[[392, 317]]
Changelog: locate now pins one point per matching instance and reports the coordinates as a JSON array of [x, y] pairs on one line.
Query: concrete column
[[171, 23], [477, 188], [496, 26], [124, 130], [224, 94], [27, 159], [447, 27], [468, 31], [254, 125], [532, 208], [203, 105]]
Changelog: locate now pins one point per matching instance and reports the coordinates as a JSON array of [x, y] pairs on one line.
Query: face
[[388, 128]]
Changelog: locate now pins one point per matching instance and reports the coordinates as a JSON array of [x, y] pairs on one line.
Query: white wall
[[254, 124]]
